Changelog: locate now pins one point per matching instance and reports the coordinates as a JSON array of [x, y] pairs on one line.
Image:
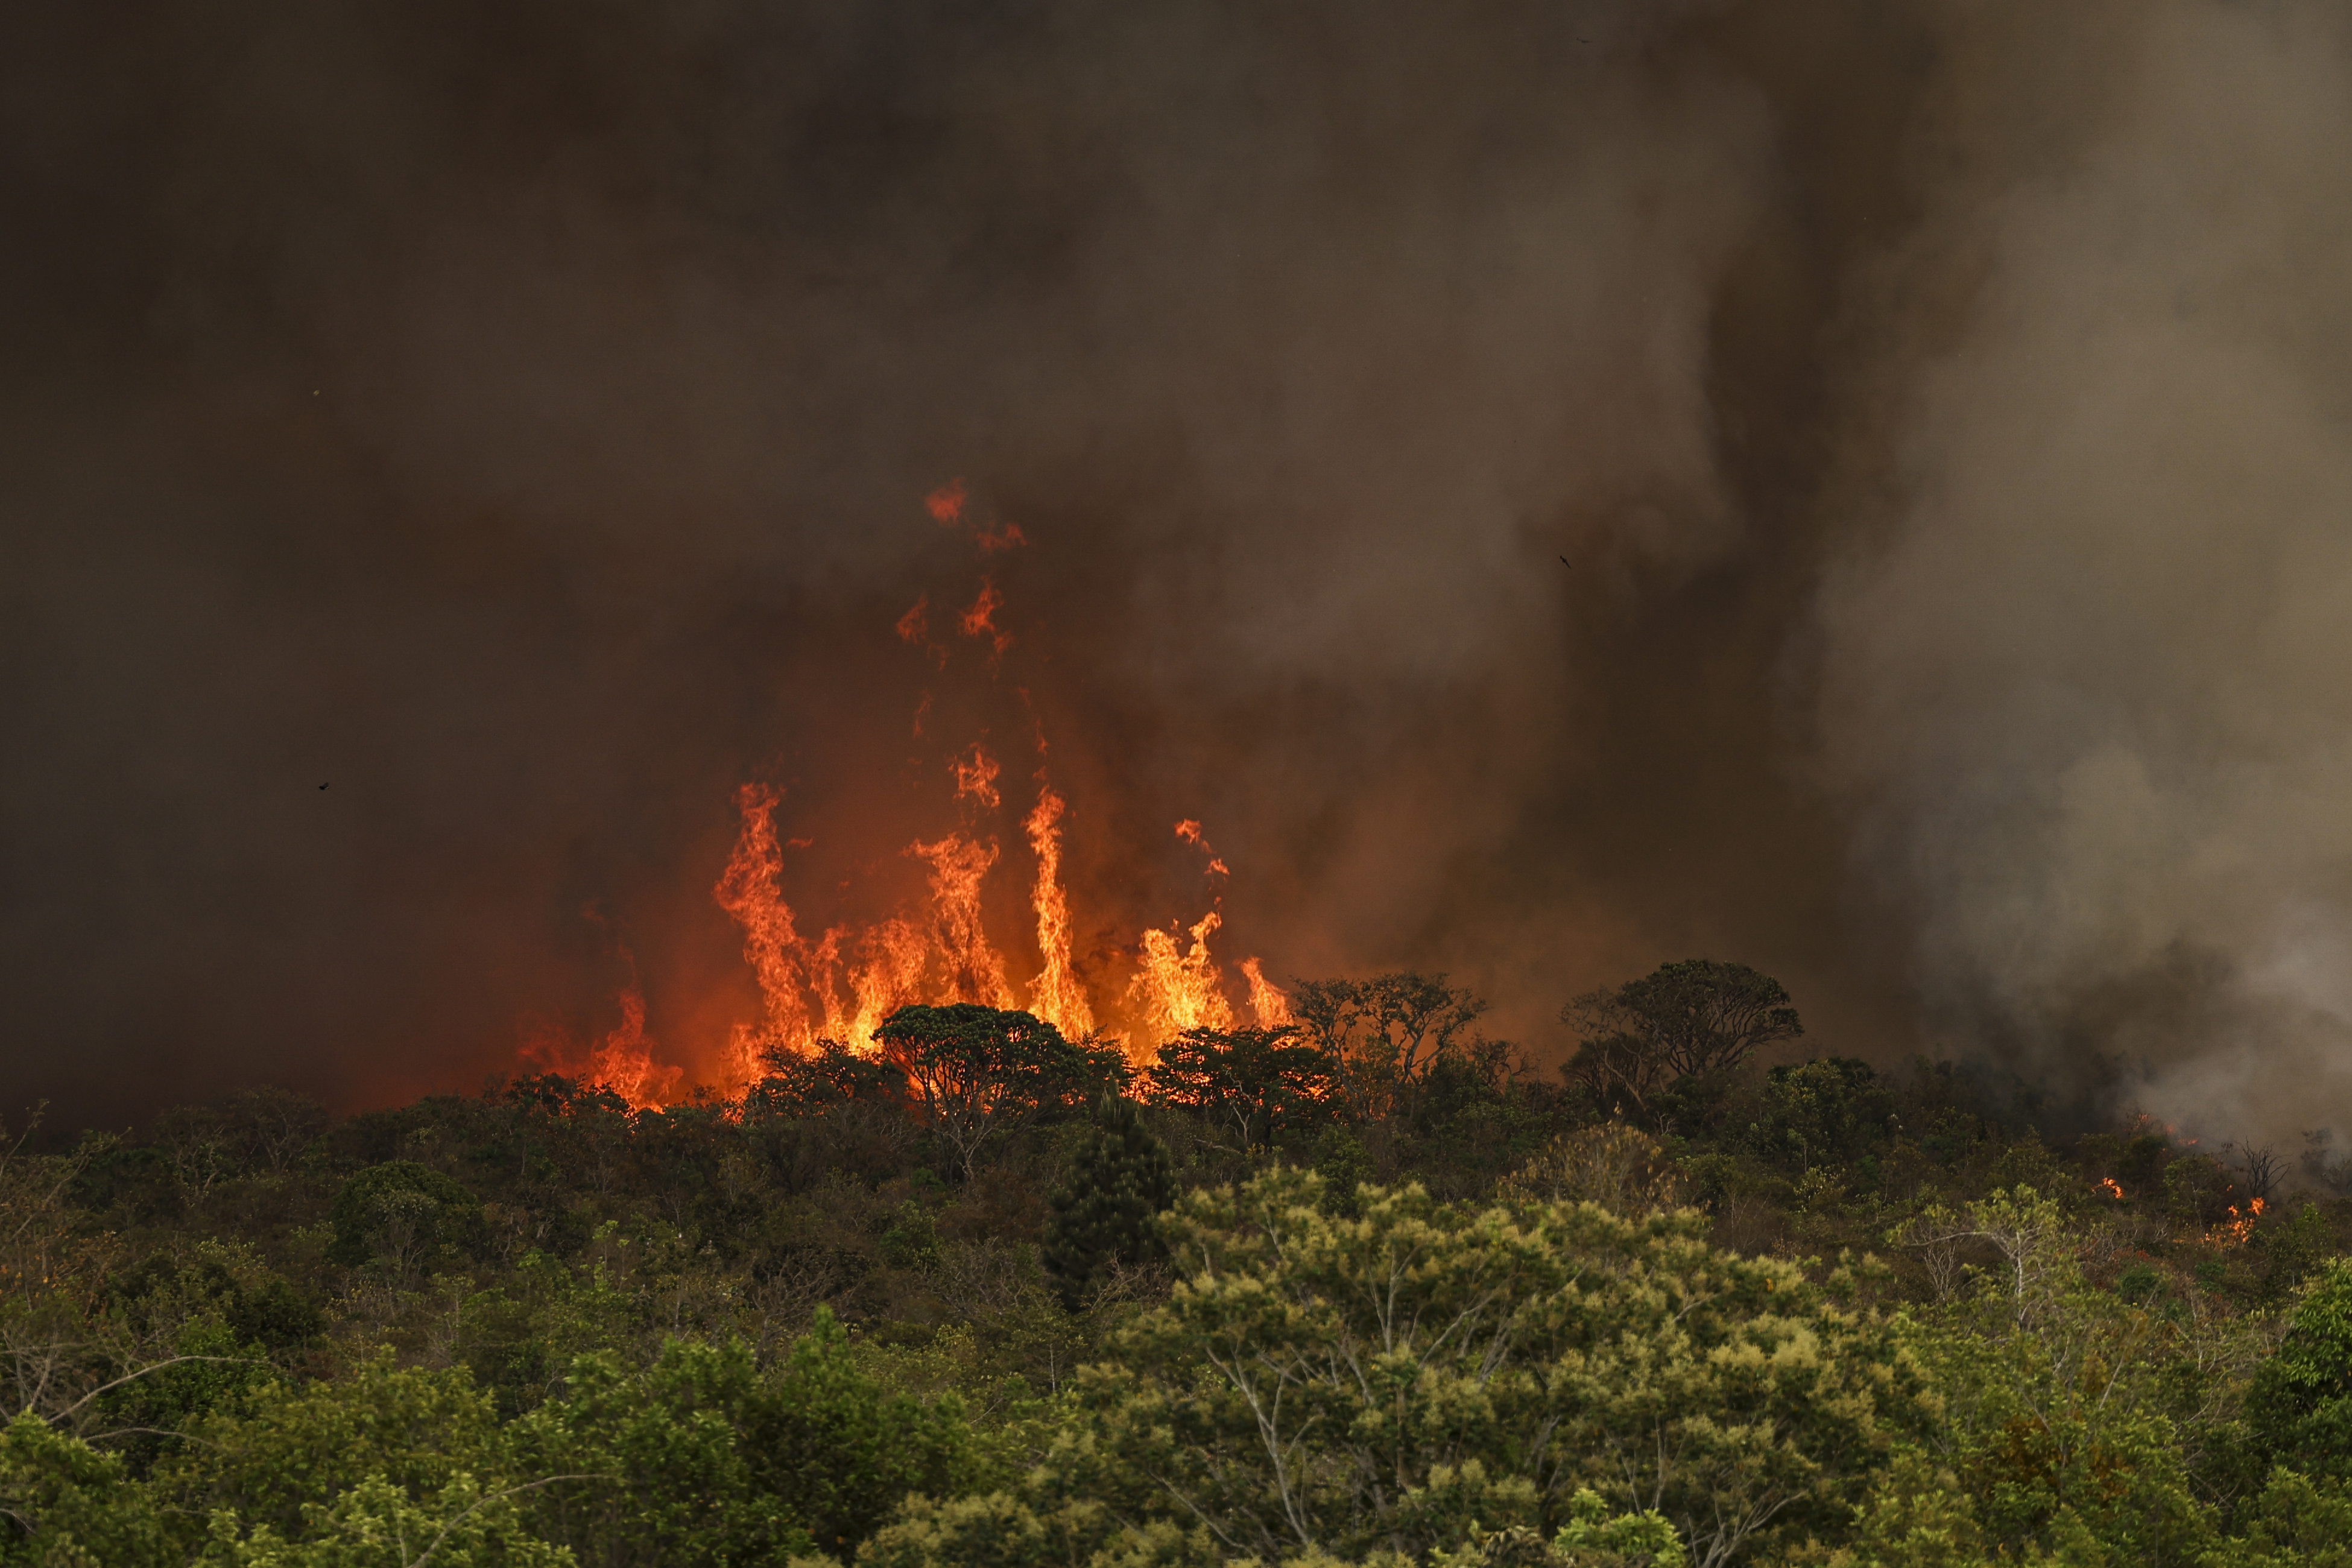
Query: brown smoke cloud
[[2081, 650], [518, 417]]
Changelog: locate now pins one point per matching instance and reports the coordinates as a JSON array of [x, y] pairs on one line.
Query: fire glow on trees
[[842, 982]]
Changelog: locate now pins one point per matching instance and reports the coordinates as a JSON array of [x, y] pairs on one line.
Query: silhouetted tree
[[1697, 1018], [1255, 1081], [1382, 1036], [828, 1076], [972, 1071]]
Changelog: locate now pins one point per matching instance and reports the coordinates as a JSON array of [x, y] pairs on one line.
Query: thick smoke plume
[[2082, 646], [518, 418]]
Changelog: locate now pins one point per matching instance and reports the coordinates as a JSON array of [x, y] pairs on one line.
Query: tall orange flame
[[772, 941], [1266, 999], [975, 971], [1179, 991], [624, 1060], [844, 982], [1057, 997]]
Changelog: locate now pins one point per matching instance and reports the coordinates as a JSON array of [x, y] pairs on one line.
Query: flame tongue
[[1266, 999], [974, 971], [624, 1060], [1057, 997], [842, 986], [772, 941], [1180, 991]]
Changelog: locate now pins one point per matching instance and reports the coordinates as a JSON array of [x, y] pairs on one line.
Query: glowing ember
[[1189, 832], [979, 621], [946, 503]]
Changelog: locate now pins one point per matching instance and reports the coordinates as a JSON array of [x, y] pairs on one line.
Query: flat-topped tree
[[972, 1071], [1694, 1019]]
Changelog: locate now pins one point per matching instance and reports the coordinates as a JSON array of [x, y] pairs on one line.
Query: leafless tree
[[2258, 1167]]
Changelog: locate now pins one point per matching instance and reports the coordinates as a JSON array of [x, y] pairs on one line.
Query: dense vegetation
[[1360, 1291]]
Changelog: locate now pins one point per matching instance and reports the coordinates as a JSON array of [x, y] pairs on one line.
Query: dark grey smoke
[[517, 416]]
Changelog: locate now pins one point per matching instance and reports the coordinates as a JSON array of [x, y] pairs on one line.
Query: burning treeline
[[838, 981]]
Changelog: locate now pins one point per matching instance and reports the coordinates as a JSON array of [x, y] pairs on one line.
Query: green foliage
[[376, 1524], [1618, 1167], [2299, 1408], [1590, 1537], [66, 1505], [1119, 1181], [1384, 1382], [829, 1075], [1818, 1113], [841, 1449], [664, 1467], [1000, 1530], [2058, 1423], [401, 1212], [2295, 1522], [913, 1239], [414, 1430], [1344, 1165], [539, 1326]]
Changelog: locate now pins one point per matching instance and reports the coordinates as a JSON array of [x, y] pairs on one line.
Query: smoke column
[[2082, 641], [517, 420]]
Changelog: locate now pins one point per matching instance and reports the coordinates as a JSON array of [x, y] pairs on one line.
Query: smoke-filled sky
[[518, 418]]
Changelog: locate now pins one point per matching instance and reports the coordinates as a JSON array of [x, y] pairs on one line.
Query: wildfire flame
[[842, 985], [1189, 832], [1058, 998], [1179, 991], [979, 621], [623, 1060], [2114, 1189], [771, 940], [1265, 998], [2239, 1227], [975, 776]]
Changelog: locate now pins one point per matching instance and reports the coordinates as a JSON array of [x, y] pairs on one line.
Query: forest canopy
[[1366, 1289]]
